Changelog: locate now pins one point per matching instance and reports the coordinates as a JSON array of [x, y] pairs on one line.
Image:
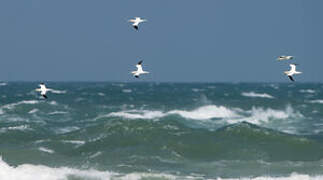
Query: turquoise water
[[161, 131]]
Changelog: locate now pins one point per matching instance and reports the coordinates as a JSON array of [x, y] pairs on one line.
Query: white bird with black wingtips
[[281, 58], [136, 22], [292, 71], [139, 70], [43, 90]]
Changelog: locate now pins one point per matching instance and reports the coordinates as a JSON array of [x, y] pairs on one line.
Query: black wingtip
[[136, 76], [140, 62], [291, 78], [45, 96], [136, 27]]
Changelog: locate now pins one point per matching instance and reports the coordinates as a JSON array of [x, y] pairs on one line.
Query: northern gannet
[[281, 58], [292, 71], [136, 22], [43, 90], [139, 70]]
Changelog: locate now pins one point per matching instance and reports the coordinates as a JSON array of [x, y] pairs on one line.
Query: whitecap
[[311, 91], [46, 150], [3, 84], [253, 94], [42, 172], [206, 112], [126, 90], [58, 91], [201, 113], [33, 111], [137, 114], [78, 142], [96, 154], [316, 101], [66, 129], [53, 103], [101, 94], [57, 112], [12, 105], [259, 115]]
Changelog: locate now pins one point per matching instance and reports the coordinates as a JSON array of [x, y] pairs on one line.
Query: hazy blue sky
[[183, 40]]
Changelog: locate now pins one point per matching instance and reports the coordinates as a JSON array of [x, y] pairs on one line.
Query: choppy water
[[161, 131]]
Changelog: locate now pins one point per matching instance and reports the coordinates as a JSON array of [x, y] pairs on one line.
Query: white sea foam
[[293, 176], [126, 90], [13, 105], [33, 111], [138, 114], [101, 94], [258, 115], [57, 91], [96, 154], [201, 113], [318, 101], [3, 84], [41, 172], [311, 91], [13, 128], [78, 142], [44, 149], [57, 112], [253, 94], [66, 129], [206, 112], [53, 103]]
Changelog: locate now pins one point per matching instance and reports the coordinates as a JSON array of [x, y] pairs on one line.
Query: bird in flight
[[292, 71], [281, 58], [43, 90], [139, 70], [136, 22]]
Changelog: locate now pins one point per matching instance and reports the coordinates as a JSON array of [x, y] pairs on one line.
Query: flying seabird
[[292, 71], [136, 22], [139, 70], [43, 90], [281, 58]]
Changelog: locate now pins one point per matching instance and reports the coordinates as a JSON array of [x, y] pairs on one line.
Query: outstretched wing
[[291, 78]]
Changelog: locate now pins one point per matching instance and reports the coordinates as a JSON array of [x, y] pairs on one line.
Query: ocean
[[111, 130]]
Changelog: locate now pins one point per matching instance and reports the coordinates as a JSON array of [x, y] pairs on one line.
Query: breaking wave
[[233, 115], [201, 113], [253, 94]]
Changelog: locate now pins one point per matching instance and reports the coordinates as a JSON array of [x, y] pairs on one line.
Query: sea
[[161, 131]]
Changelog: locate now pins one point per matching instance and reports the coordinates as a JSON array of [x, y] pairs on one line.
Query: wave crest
[[253, 94]]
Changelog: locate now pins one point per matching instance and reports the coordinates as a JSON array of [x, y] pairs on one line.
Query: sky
[[183, 40]]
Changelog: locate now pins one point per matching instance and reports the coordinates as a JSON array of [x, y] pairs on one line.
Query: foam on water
[[33, 111], [201, 113], [17, 128], [57, 112], [293, 176], [78, 142], [44, 149], [311, 91], [317, 101], [253, 94], [58, 91], [41, 172], [206, 112], [13, 105]]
